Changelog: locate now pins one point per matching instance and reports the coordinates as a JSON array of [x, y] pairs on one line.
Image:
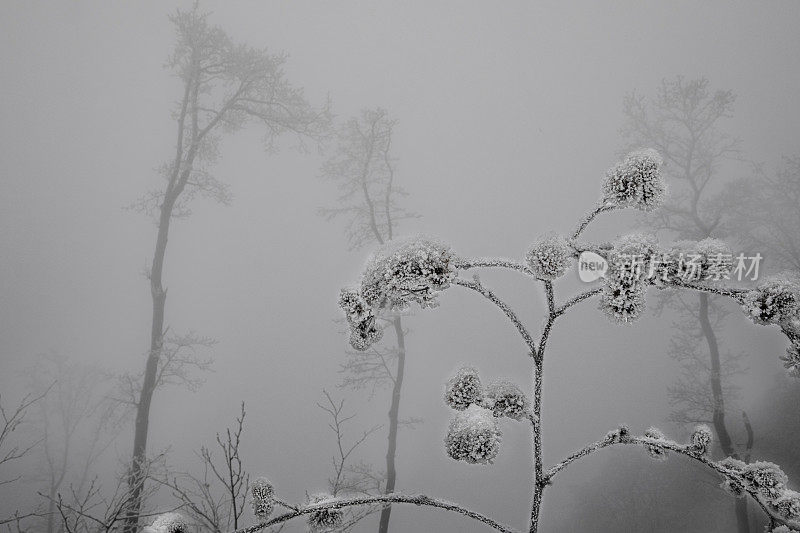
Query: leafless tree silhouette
[[682, 121], [224, 86]]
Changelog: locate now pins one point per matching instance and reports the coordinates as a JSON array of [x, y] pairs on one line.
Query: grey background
[[508, 117]]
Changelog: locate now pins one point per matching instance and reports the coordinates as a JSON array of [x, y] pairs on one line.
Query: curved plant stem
[[494, 262], [586, 220], [419, 499], [613, 439], [478, 287]]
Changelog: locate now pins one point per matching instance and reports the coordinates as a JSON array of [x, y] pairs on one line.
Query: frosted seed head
[[463, 389], [473, 436], [782, 529], [765, 477], [354, 306], [406, 271], [507, 399], [656, 452], [622, 302], [788, 504], [776, 301], [365, 334], [630, 258], [791, 361], [716, 259], [636, 182], [700, 440], [550, 257], [323, 519], [170, 523], [262, 498]]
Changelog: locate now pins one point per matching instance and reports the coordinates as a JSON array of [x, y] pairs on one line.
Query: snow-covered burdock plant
[[416, 271]]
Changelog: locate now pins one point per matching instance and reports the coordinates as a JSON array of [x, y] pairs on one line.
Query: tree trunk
[[394, 410], [137, 473], [725, 441]]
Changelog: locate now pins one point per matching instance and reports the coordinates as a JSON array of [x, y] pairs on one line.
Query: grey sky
[[508, 117]]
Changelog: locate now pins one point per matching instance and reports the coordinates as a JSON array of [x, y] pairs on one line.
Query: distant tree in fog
[[682, 121], [363, 168], [409, 272], [216, 499], [78, 422], [765, 210], [14, 448], [224, 86]]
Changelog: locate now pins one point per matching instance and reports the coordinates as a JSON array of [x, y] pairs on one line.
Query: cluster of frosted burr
[[364, 328], [407, 271], [473, 435], [636, 182], [776, 301], [168, 523], [625, 282], [762, 480], [550, 257], [399, 274], [656, 452], [262, 500], [701, 439], [765, 481], [323, 519]]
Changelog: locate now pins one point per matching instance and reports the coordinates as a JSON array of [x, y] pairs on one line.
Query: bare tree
[[682, 122], [78, 422], [216, 499], [224, 86], [350, 478], [364, 171], [94, 509], [11, 449], [765, 213]]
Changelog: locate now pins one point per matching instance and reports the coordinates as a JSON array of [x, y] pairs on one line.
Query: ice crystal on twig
[[463, 389], [636, 182], [473, 436]]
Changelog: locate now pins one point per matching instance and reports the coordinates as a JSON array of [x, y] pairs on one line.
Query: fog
[[508, 116]]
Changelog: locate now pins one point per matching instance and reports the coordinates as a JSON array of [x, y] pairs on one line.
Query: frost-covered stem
[[493, 262], [613, 439], [539, 479], [538, 361], [730, 292], [340, 503], [586, 220], [577, 299], [287, 505], [478, 287]]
